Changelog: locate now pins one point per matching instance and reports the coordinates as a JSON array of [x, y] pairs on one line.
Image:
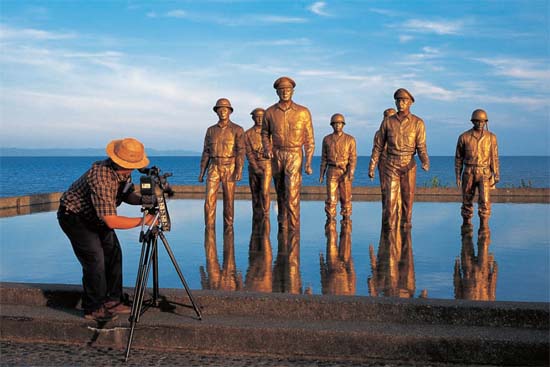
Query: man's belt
[[222, 160], [288, 149]]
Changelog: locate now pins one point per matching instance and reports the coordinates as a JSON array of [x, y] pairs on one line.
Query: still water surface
[[510, 264]]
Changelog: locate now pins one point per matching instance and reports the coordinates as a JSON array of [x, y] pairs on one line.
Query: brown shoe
[[118, 308], [100, 315]]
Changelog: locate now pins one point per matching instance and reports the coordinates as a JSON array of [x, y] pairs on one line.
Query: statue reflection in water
[[338, 271], [475, 277], [259, 276], [226, 278], [393, 267], [286, 271]]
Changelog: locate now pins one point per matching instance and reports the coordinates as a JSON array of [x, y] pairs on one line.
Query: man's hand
[[268, 154], [371, 174], [309, 171], [351, 176], [237, 176], [201, 177], [149, 220], [321, 179], [426, 166], [458, 182]]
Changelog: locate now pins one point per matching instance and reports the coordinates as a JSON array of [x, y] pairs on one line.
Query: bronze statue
[[338, 160], [223, 156], [393, 268], [259, 276], [259, 168], [475, 277], [403, 135], [226, 278], [338, 270], [382, 161], [287, 133], [476, 160], [286, 270]]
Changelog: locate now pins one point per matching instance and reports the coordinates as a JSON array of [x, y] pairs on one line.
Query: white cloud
[[9, 33], [525, 73], [281, 19], [404, 38], [437, 27], [177, 13], [319, 8]]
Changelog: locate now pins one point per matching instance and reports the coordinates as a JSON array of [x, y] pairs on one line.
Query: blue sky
[[80, 73]]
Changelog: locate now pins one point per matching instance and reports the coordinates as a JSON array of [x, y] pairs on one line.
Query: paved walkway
[[23, 354]]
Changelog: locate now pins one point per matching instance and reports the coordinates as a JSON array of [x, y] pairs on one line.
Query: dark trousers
[[98, 251]]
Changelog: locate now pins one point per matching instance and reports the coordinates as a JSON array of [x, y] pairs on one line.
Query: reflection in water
[[475, 277], [338, 271], [286, 271], [393, 268], [259, 276], [227, 278]]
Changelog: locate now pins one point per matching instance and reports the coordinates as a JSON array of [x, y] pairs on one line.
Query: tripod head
[[153, 188]]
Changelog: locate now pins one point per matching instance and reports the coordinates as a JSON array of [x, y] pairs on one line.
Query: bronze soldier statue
[[477, 166], [223, 157], [287, 133], [338, 160], [259, 168], [382, 161], [403, 135]]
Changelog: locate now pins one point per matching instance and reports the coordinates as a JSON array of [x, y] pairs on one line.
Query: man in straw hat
[[88, 216], [287, 135], [223, 157], [403, 135]]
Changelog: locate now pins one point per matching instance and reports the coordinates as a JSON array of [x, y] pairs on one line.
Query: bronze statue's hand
[[321, 179], [497, 179], [309, 171], [268, 154], [426, 166], [458, 183], [351, 176], [371, 175], [237, 176], [201, 178]]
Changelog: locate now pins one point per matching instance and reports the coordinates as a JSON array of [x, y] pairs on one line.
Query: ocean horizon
[[26, 175]]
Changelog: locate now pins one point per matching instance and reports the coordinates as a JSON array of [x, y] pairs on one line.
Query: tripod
[[148, 259]]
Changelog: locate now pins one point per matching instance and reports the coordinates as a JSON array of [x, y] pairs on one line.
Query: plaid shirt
[[97, 192]]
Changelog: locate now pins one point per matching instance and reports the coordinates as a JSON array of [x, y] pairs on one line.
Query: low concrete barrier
[[28, 204], [334, 327]]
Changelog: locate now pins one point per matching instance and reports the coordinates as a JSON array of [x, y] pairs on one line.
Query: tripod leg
[[147, 253], [180, 274]]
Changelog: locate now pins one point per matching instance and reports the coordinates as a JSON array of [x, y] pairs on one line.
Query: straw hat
[[128, 153]]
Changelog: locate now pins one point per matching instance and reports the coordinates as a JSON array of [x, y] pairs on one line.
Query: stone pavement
[[249, 329], [41, 354]]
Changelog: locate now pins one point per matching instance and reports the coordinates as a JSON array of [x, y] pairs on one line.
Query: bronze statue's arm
[[378, 144], [495, 165], [323, 167], [239, 154], [309, 144], [352, 162], [205, 159], [266, 138], [421, 147], [459, 159]]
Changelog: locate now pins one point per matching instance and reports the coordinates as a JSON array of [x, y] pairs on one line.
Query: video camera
[[153, 186]]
